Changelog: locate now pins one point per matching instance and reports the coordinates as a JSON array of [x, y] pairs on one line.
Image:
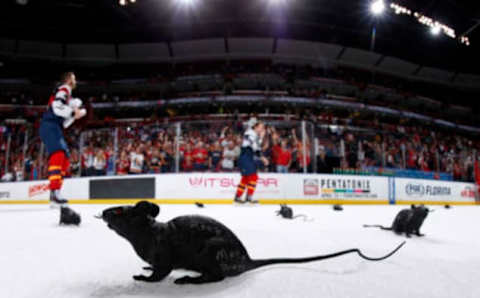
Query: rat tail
[[378, 226], [259, 263], [305, 218]]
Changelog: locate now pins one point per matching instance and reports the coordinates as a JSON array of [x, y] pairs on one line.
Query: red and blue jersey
[[250, 153], [58, 105], [58, 113]]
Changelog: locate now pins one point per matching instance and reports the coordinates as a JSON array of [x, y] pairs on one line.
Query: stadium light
[[436, 27], [398, 9], [465, 40], [187, 2], [277, 2], [435, 30], [377, 7], [126, 2]]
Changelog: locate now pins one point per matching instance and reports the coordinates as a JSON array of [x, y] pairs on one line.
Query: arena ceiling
[[344, 23]]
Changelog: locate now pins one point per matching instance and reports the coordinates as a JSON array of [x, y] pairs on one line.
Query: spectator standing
[[283, 157], [215, 156], [109, 157], [200, 157], [167, 158], [7, 177], [155, 162], [322, 165], [87, 161], [123, 164], [28, 168], [229, 157], [18, 170], [411, 157], [136, 161], [99, 163], [187, 164]]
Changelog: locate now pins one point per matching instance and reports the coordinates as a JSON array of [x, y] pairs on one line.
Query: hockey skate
[[56, 200], [239, 200], [251, 200]]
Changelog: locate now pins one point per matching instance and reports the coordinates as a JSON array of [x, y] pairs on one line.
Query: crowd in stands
[[340, 139], [188, 78], [215, 146]]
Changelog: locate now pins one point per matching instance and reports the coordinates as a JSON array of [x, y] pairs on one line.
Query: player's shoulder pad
[[65, 88]]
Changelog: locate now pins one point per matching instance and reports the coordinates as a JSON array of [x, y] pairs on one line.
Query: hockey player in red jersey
[[61, 112]]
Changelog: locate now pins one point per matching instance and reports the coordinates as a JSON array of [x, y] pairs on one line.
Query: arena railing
[[319, 147], [180, 136]]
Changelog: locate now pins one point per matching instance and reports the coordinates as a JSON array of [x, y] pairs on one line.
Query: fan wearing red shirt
[[87, 161], [283, 157], [200, 157], [187, 164], [123, 164]]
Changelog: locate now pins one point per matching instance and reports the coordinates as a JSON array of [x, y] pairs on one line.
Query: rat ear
[[147, 208]]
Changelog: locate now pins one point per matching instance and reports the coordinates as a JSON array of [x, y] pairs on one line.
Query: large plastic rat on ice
[[191, 242]]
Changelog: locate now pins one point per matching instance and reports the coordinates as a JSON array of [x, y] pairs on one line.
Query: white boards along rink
[[219, 188]]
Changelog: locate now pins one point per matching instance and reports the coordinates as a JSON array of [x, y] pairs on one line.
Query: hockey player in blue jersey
[[249, 160], [61, 112]]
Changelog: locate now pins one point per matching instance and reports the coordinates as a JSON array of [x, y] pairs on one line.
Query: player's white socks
[[56, 198]]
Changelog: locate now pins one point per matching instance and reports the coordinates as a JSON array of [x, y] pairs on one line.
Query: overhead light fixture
[[400, 9], [126, 2], [436, 27], [187, 2], [465, 40], [277, 2], [435, 30], [377, 7]]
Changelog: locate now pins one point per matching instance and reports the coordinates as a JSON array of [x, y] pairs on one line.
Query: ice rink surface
[[40, 259]]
